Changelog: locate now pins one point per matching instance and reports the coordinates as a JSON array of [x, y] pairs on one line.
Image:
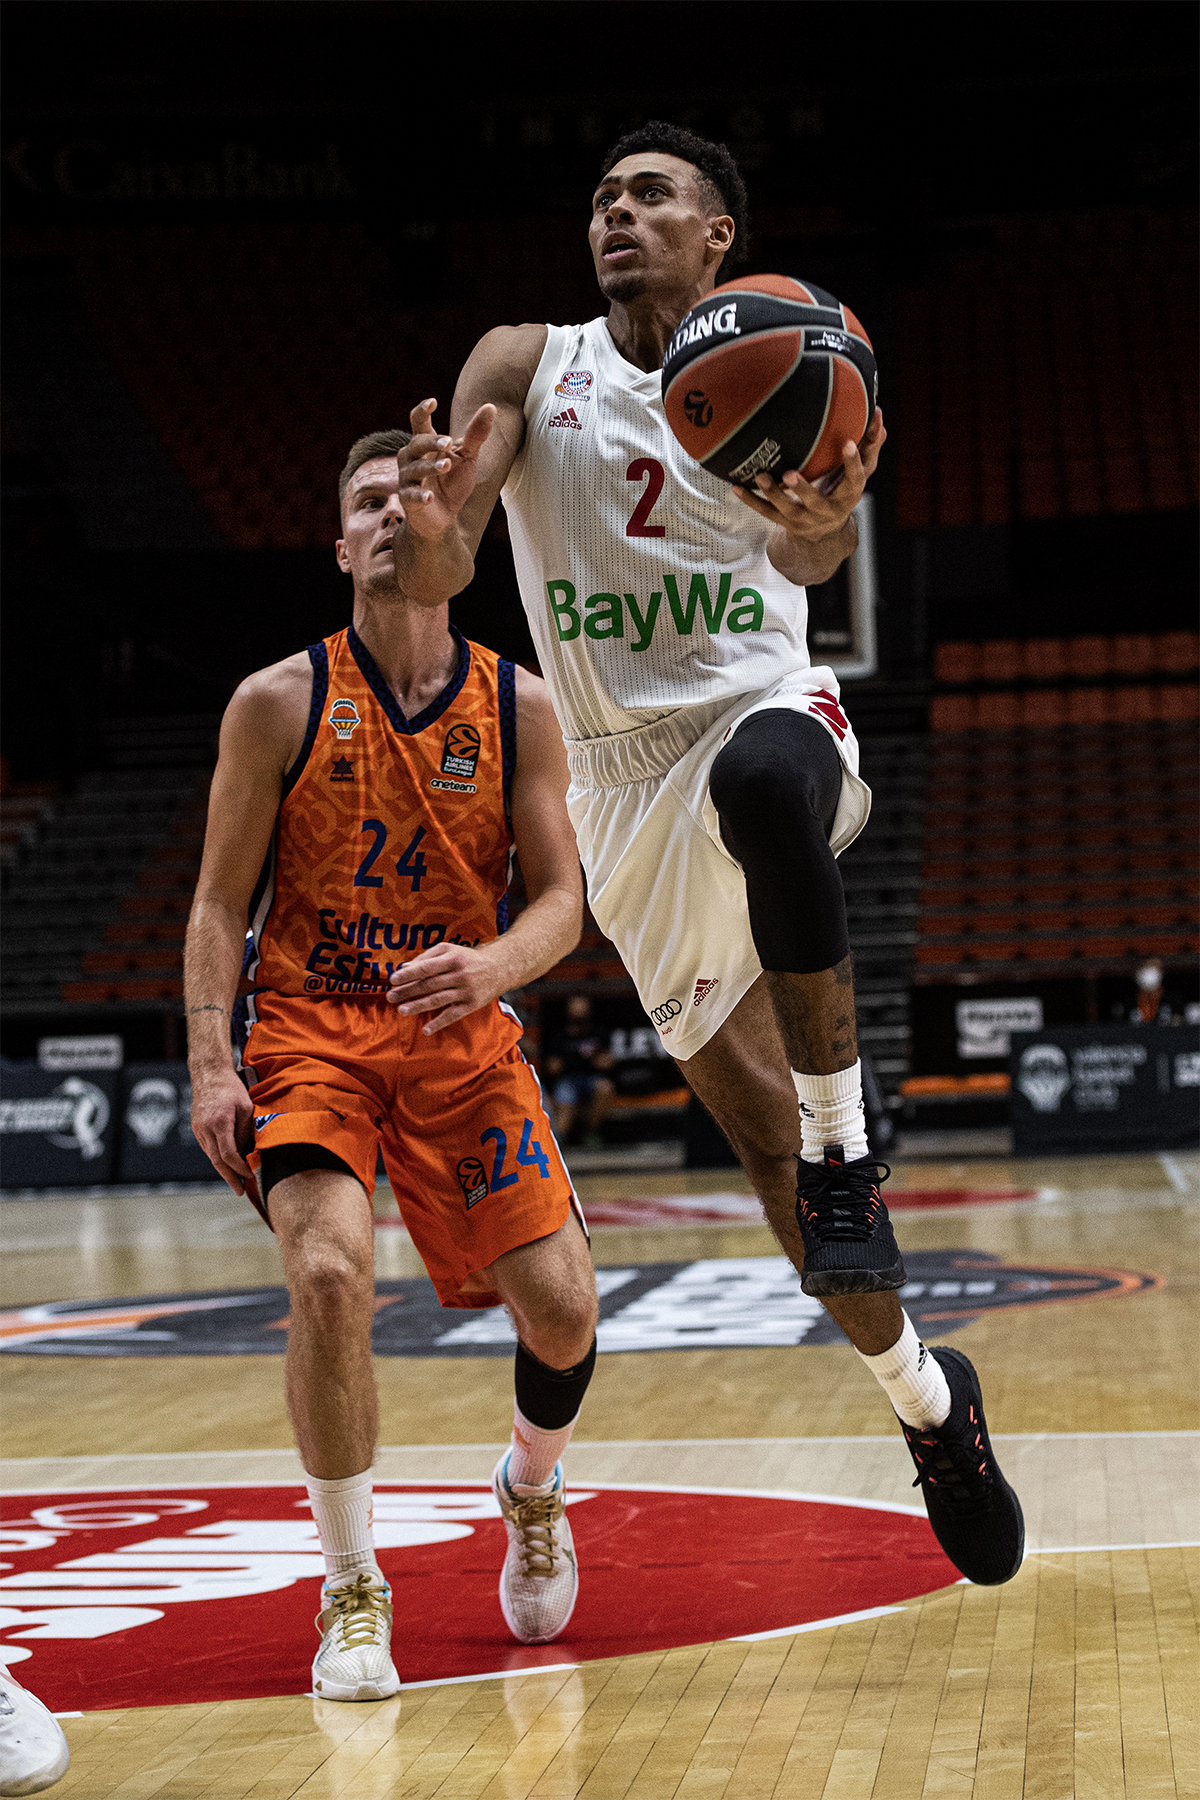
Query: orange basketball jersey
[[393, 834]]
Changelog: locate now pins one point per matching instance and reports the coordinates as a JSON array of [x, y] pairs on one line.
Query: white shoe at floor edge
[[539, 1583], [355, 1658], [33, 1750]]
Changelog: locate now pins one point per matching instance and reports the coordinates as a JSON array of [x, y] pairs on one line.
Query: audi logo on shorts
[[670, 1009]]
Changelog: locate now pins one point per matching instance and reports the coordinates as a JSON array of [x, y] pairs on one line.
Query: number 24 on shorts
[[528, 1155]]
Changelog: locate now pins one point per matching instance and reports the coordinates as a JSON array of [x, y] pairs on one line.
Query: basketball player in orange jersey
[[714, 776], [369, 794]]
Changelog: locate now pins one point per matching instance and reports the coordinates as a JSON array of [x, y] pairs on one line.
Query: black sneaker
[[975, 1515], [849, 1244]]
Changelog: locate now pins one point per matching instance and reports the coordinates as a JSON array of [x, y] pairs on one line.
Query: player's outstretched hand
[[437, 474], [223, 1124], [811, 511], [452, 977]]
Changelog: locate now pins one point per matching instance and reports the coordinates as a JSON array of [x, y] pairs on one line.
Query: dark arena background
[[236, 237]]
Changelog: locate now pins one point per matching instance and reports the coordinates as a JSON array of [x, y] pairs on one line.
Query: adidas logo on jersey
[[566, 417]]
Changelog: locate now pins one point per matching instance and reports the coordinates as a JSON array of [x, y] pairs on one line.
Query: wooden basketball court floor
[[1078, 1678]]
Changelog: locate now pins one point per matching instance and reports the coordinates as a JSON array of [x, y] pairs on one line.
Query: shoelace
[[535, 1520], [963, 1479], [360, 1613], [845, 1205]]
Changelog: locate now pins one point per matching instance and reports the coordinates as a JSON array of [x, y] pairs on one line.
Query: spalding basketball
[[767, 374]]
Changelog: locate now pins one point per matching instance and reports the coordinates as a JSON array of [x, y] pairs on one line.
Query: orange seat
[[1043, 706], [1178, 652], [1134, 653], [957, 662], [1089, 655], [1049, 949], [1135, 704], [1089, 706], [999, 711], [1178, 701], [952, 712], [1001, 660], [670, 1097], [1044, 659]]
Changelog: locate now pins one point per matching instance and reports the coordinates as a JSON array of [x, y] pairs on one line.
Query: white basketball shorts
[[661, 884]]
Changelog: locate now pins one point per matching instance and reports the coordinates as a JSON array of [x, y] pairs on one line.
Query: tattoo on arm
[[199, 1009]]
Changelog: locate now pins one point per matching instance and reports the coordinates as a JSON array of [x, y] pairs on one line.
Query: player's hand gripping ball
[[767, 374]]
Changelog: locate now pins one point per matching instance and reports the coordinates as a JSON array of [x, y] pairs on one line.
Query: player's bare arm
[[816, 530], [450, 484], [453, 980], [261, 735]]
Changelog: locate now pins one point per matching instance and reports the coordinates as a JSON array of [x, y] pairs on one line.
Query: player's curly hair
[[721, 182], [366, 449]]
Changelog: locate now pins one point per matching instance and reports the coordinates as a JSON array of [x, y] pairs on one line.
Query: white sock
[[831, 1112], [534, 1453], [912, 1379], [342, 1510]]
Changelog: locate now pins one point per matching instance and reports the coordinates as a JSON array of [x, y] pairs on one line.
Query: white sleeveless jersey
[[646, 581]]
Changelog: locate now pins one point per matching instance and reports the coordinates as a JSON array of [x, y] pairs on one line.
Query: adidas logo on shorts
[[703, 989]]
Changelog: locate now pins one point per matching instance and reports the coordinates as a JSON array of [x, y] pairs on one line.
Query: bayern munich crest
[[575, 383]]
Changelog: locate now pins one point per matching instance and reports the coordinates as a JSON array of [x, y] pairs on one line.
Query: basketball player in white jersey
[[714, 776]]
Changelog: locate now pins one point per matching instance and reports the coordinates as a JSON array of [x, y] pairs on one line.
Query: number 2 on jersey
[[651, 471]]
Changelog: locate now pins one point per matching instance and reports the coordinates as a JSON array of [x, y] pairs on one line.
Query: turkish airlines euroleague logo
[[461, 753], [472, 1178]]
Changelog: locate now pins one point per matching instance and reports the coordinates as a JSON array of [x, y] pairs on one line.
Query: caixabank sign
[[1105, 1087]]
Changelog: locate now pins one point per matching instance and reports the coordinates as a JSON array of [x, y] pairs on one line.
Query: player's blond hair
[[366, 449]]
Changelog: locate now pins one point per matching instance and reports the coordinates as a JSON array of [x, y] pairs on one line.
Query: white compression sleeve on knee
[[831, 1112], [342, 1510]]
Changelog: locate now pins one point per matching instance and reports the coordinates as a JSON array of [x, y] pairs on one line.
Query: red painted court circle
[[163, 1596]]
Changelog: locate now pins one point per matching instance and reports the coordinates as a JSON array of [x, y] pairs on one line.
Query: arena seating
[[1060, 823], [258, 351], [1015, 395], [96, 904], [1129, 655]]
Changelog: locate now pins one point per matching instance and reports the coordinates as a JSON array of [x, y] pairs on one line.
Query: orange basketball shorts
[[458, 1116]]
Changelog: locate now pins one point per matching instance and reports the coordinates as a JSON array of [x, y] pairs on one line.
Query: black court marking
[[726, 1303]]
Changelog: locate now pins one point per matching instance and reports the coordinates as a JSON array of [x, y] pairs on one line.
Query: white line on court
[[1174, 1174]]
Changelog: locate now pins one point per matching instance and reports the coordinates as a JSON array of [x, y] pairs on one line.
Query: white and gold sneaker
[[355, 1658], [539, 1582], [33, 1750]]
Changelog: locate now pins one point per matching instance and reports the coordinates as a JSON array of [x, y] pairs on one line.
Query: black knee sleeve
[[550, 1398], [776, 787]]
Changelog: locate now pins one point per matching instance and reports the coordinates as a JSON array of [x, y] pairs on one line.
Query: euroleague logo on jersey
[[575, 384], [461, 752]]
